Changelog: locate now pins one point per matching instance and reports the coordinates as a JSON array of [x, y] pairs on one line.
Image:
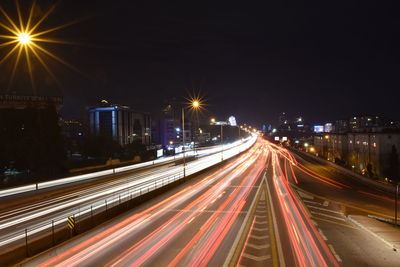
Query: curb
[[362, 226]]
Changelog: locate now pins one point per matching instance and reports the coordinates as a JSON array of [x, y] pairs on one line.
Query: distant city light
[[318, 128], [232, 121]]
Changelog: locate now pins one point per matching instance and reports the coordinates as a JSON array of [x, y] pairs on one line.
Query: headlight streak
[[196, 166], [147, 253], [91, 246], [305, 239]]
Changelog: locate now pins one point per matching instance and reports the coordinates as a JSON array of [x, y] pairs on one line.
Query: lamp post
[[395, 204], [195, 104]]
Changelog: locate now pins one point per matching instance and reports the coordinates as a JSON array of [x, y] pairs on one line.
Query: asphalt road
[[196, 224], [264, 208], [39, 212]]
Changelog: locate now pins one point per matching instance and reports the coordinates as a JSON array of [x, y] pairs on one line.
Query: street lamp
[[195, 104]]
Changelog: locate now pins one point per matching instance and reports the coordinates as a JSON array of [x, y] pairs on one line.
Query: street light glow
[[25, 41], [24, 38], [196, 104]]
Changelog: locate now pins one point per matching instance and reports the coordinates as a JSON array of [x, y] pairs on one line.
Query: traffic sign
[[71, 222]]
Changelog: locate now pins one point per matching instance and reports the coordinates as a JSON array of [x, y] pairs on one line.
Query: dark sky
[[324, 60]]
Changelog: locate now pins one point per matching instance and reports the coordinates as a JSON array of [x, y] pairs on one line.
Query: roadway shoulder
[[386, 233]]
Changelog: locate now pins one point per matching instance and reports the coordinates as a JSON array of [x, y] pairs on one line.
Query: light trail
[[169, 230], [309, 249], [98, 197]]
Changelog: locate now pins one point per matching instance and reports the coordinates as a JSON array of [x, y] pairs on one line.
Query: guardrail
[[89, 176], [92, 208]]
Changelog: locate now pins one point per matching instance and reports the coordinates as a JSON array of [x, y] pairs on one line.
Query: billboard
[[328, 127], [318, 128]]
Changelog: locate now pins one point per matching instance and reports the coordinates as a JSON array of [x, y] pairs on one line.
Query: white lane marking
[[322, 234], [329, 216], [258, 246], [304, 195], [260, 229], [334, 253], [318, 208], [263, 222], [312, 202], [191, 220], [256, 258], [259, 237]]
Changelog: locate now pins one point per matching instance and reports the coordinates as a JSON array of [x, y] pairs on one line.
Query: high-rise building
[[121, 123]]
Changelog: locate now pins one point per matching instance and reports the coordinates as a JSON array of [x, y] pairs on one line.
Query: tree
[[100, 147]]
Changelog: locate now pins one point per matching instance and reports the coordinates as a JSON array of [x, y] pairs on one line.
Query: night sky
[[324, 60]]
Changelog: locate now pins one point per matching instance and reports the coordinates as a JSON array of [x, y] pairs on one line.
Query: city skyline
[[290, 57]]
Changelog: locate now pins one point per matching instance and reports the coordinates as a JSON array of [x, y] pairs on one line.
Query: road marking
[[276, 246], [326, 215], [233, 257], [304, 195], [258, 246], [260, 229], [326, 203], [263, 222], [312, 202], [334, 253], [345, 204], [259, 237], [333, 211], [191, 220], [256, 258], [262, 216], [322, 234], [342, 224]]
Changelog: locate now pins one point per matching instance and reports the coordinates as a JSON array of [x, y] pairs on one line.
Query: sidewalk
[[381, 230]]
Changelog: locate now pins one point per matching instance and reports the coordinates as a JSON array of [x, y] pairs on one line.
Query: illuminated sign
[[318, 128], [276, 138]]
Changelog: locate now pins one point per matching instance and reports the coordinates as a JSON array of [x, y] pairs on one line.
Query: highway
[[50, 210], [266, 207], [223, 217]]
